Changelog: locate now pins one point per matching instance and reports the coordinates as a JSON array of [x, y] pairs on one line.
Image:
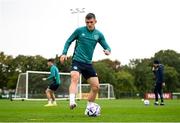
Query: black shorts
[[86, 70], [158, 87], [53, 86]]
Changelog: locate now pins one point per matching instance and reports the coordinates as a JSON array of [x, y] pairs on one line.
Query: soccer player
[[158, 70], [86, 39], [54, 79]]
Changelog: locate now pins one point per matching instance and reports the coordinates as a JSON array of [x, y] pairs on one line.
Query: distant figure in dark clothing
[[158, 70]]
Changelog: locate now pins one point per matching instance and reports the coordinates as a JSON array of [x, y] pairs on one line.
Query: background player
[[158, 71], [54, 79]]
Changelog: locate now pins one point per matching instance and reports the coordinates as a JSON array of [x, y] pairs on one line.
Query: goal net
[[106, 91], [30, 86]]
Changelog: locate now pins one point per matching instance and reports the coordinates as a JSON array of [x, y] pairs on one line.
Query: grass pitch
[[123, 110]]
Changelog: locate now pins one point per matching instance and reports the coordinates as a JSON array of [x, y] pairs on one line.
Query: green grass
[[123, 110]]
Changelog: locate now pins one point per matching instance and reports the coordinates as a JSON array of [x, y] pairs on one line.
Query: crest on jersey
[[75, 67], [96, 37], [83, 34]]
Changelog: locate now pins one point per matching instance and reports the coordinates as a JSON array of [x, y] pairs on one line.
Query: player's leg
[[53, 98], [48, 94], [94, 84], [156, 95], [53, 87], [91, 76], [160, 93], [73, 88]]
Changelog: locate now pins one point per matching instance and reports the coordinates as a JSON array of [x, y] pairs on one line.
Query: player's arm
[[103, 43], [161, 76], [72, 38], [52, 75]]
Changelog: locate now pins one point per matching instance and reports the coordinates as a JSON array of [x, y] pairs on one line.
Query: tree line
[[134, 78]]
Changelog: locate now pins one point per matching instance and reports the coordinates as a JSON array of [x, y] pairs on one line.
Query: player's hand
[[63, 58], [163, 84], [107, 52], [153, 69], [44, 79]]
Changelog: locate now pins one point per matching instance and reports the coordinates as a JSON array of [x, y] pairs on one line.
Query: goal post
[[20, 91]]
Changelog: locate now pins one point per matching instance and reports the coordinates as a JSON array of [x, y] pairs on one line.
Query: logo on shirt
[[75, 67], [96, 37], [83, 34]]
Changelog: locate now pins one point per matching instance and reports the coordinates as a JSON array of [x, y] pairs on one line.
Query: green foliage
[[35, 63], [124, 83], [11, 83], [169, 57], [11, 67], [114, 65], [105, 73], [136, 77], [171, 79], [6, 69], [143, 75], [110, 72]]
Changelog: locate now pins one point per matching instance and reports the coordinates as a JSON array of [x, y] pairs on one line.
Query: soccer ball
[[92, 110], [146, 102]]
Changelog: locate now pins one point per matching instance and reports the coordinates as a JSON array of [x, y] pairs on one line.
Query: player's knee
[[95, 88], [74, 78], [47, 91]]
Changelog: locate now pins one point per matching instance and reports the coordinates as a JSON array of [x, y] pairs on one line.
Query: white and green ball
[[146, 102], [93, 110]]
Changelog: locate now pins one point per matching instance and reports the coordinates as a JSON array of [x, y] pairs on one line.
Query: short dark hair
[[156, 62], [90, 16], [51, 60]]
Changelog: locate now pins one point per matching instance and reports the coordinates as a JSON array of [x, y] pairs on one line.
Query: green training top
[[54, 74], [85, 44]]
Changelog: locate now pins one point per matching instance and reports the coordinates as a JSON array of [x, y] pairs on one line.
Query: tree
[[141, 70], [171, 79], [14, 66], [105, 73], [6, 69], [124, 83], [35, 63], [114, 65], [3, 70], [169, 57]]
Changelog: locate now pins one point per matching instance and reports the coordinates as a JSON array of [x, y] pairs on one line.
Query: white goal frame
[[79, 94], [110, 91], [27, 86]]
